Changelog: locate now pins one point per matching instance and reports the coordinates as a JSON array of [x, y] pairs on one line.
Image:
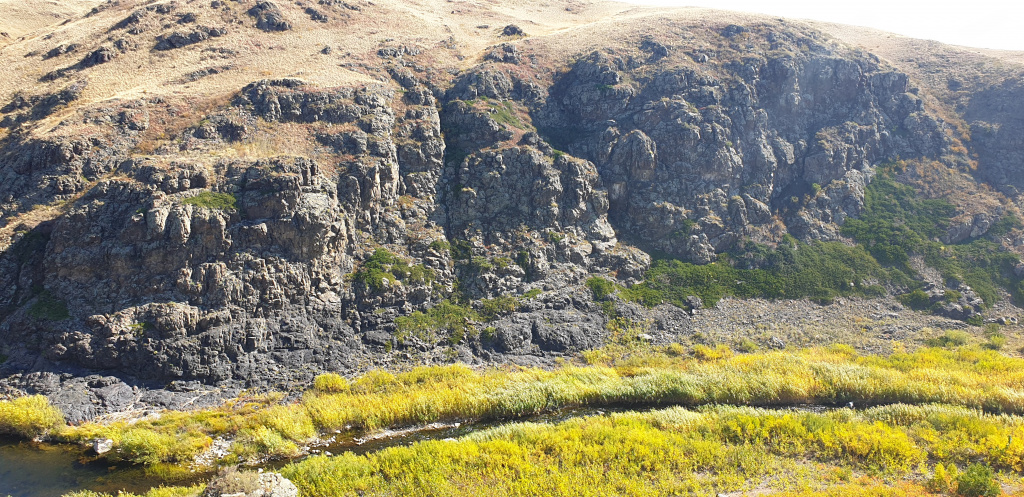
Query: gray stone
[[102, 445], [269, 17]]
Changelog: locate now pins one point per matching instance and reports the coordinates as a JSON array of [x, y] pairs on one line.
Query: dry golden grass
[[28, 416], [260, 427], [22, 18], [450, 35]]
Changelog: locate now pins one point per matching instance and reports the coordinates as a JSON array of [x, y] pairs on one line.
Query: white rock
[[102, 445]]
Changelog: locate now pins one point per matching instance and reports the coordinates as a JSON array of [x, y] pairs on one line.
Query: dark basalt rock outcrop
[[269, 17], [684, 152], [199, 265], [997, 133], [179, 40]]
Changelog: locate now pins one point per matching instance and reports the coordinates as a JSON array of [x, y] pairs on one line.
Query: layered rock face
[[696, 158], [997, 132], [164, 286], [224, 252]]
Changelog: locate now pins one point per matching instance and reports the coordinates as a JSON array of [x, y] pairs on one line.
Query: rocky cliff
[[246, 193]]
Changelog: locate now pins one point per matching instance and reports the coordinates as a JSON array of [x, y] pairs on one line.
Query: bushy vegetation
[[897, 223], [330, 383], [453, 321], [977, 481], [885, 450], [676, 451], [491, 309], [505, 113], [194, 491], [28, 416], [670, 452], [981, 264], [951, 338], [974, 378], [446, 320], [819, 270], [383, 269], [601, 290], [212, 200], [49, 307]]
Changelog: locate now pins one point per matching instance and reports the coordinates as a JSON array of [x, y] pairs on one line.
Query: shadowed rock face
[[730, 150], [203, 261], [997, 133]]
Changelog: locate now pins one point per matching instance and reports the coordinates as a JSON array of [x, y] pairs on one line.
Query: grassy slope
[[896, 225]]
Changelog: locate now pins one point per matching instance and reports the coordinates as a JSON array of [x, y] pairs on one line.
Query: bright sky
[[973, 23]]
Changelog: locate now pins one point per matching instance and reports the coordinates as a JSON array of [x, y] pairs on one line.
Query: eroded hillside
[[244, 193]]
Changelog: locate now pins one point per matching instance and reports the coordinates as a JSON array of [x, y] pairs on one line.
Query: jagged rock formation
[[220, 238]]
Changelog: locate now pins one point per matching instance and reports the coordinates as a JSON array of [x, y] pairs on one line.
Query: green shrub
[[440, 246], [49, 307], [996, 341], [819, 271], [212, 200], [897, 223], [917, 300], [453, 321], [977, 481], [532, 293], [951, 338], [505, 113], [461, 250], [492, 309], [555, 237], [383, 268], [480, 264], [608, 309], [747, 346], [600, 288]]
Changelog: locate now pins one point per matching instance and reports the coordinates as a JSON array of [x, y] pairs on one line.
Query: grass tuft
[[49, 307], [212, 200]]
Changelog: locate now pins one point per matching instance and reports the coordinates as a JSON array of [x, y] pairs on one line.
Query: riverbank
[[253, 429]]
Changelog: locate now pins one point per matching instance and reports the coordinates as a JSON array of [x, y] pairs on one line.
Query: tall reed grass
[[677, 451], [970, 378]]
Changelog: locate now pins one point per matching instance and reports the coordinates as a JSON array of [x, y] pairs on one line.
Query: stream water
[[29, 469]]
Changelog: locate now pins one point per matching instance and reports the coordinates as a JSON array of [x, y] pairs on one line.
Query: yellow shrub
[[330, 383], [29, 416], [705, 353], [291, 421]]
